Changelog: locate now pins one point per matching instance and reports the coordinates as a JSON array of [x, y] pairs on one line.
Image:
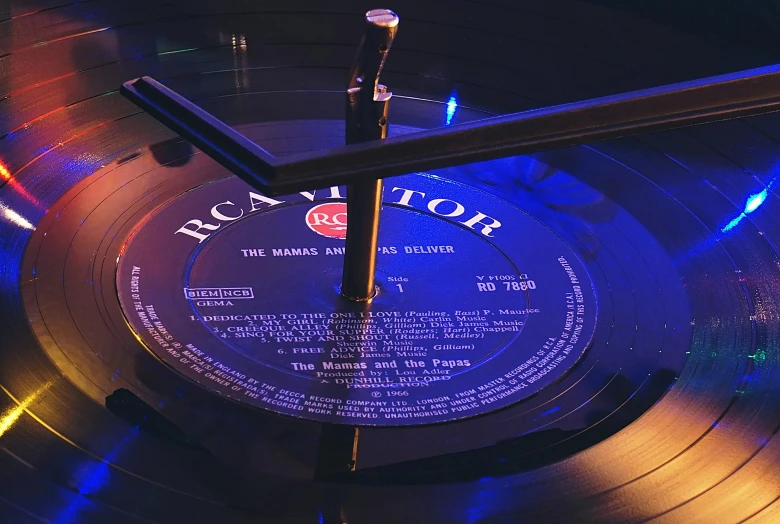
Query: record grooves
[[665, 407]]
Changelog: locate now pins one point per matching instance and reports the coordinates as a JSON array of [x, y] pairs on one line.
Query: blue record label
[[479, 305]]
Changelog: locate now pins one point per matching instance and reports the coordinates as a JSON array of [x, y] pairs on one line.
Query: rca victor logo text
[[328, 220]]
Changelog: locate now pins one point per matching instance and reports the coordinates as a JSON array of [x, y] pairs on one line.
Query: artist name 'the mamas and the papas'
[[228, 211], [440, 366]]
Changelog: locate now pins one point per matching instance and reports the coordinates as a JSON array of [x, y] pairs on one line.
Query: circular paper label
[[479, 305]]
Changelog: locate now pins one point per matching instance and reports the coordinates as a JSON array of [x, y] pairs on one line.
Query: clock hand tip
[[382, 18]]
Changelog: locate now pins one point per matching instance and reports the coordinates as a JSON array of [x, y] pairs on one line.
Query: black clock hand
[[733, 95]]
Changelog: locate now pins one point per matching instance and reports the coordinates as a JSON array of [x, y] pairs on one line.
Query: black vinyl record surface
[[587, 334]]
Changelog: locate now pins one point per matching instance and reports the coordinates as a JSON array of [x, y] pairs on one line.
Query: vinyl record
[[585, 334]]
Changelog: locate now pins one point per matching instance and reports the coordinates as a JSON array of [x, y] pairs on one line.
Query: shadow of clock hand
[[626, 401]]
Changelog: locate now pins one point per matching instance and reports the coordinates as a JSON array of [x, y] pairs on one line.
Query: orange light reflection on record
[[36, 119], [678, 462], [10, 417], [5, 175]]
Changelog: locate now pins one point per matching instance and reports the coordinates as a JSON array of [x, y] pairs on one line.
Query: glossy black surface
[[83, 166]]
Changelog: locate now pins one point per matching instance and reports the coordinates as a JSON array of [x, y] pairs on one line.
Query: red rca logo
[[328, 220]]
